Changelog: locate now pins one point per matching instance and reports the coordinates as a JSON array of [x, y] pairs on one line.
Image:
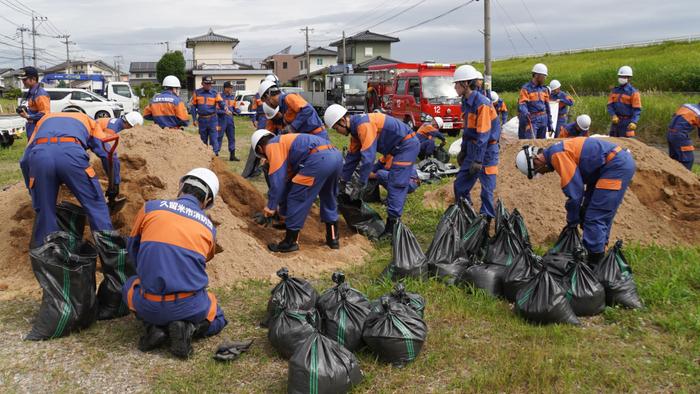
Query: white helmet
[[466, 72], [554, 85], [494, 96], [205, 180], [624, 71], [524, 160], [438, 121], [255, 139], [171, 81], [134, 119], [583, 122], [264, 87], [269, 111], [333, 114], [272, 78], [540, 68]]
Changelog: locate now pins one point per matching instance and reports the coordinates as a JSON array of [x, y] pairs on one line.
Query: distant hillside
[[662, 67]]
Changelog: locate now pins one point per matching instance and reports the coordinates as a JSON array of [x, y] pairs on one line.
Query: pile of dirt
[[153, 160], [661, 206]]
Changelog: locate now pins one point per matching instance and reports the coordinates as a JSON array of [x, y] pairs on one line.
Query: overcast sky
[[133, 29]]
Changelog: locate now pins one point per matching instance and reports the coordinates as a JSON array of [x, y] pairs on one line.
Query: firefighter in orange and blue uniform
[[38, 101], [500, 106], [680, 146], [299, 116], [594, 177], [478, 157], [302, 167], [56, 155], [565, 101], [533, 106], [624, 105], [427, 132], [170, 242], [204, 105], [371, 134], [227, 125], [166, 109], [259, 119]]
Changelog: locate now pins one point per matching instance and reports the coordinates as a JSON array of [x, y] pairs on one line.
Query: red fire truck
[[411, 91]]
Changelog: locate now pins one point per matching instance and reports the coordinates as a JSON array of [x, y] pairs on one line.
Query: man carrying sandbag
[[594, 177], [171, 241]]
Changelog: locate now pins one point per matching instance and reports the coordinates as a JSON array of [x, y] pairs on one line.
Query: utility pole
[[21, 30], [67, 43], [487, 44], [345, 59], [34, 34], [117, 62], [308, 59]]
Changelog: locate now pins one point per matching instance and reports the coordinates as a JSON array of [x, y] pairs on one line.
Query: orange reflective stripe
[[304, 180], [317, 130], [409, 136], [167, 297], [609, 184], [210, 101], [612, 154], [401, 163], [130, 295], [90, 172], [367, 133], [377, 120], [636, 100], [211, 315], [181, 111], [278, 152], [170, 228], [31, 182], [483, 122], [613, 98], [565, 166], [322, 147], [491, 170], [690, 116], [388, 160], [524, 96], [687, 148], [625, 99], [630, 133]]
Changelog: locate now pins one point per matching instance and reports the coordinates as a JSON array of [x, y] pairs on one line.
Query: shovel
[[114, 203]]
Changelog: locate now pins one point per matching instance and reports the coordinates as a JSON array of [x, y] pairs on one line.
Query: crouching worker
[[170, 243], [594, 177], [426, 134], [302, 167]]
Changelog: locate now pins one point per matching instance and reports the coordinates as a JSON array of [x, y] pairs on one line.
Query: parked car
[[11, 128], [245, 99], [72, 100]]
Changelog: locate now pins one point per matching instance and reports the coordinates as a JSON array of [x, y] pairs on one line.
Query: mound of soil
[[153, 160], [661, 206]]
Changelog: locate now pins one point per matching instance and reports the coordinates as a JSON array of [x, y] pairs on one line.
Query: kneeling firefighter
[[170, 242]]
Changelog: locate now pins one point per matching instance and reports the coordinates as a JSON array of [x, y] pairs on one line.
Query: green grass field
[[663, 67], [475, 343]]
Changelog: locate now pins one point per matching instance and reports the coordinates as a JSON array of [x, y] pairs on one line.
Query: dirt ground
[[661, 206], [153, 160]]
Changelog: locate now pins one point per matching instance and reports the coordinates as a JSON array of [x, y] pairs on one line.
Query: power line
[[510, 38], [14, 23], [362, 27], [433, 18], [536, 26], [364, 14], [20, 4], [397, 14], [515, 26], [15, 8]]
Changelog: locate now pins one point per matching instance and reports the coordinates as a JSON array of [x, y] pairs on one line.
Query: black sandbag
[[343, 312], [441, 154], [488, 277], [475, 240], [399, 294], [504, 247], [71, 218], [65, 270], [395, 333], [569, 240], [615, 274], [543, 301], [408, 259], [586, 294], [525, 267], [469, 211], [290, 328], [252, 165], [117, 267], [371, 191], [502, 215], [294, 293], [559, 265], [321, 365], [517, 222], [445, 245], [360, 216], [452, 273]]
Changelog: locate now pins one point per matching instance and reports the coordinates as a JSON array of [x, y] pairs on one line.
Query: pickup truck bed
[[11, 128]]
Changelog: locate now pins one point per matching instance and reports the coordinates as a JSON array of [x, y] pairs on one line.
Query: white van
[[122, 93]]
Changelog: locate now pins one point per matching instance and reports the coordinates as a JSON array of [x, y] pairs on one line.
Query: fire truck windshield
[[439, 90], [355, 84]]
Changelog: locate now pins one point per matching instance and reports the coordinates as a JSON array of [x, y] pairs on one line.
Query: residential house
[[212, 54], [140, 72], [283, 65], [363, 47], [321, 59]]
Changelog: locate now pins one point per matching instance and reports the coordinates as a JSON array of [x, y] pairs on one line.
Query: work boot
[[201, 329], [289, 244], [233, 157], [181, 333], [595, 258], [332, 235], [388, 228], [153, 338]]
